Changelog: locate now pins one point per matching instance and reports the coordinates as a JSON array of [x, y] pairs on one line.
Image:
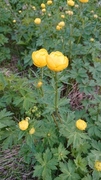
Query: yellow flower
[[95, 16], [92, 39], [39, 57], [32, 131], [70, 2], [39, 84], [69, 13], [33, 7], [49, 2], [20, 11], [14, 21], [27, 118], [61, 24], [76, 5], [43, 10], [98, 165], [56, 61], [43, 5], [84, 1], [62, 16], [58, 27], [81, 124], [37, 21], [23, 125]]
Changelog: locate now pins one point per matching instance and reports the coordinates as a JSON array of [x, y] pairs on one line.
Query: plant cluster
[[62, 41]]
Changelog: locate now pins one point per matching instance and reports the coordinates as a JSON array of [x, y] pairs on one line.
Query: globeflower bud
[[62, 16], [39, 58], [34, 8], [39, 84], [14, 21], [98, 165], [81, 124], [58, 27], [43, 6], [92, 39], [70, 2], [23, 125], [32, 131], [69, 13], [37, 21], [43, 10], [56, 61], [49, 2], [95, 16], [76, 5], [61, 24]]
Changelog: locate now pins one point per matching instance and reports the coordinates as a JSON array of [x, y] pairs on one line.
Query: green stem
[[55, 120], [56, 94], [41, 74]]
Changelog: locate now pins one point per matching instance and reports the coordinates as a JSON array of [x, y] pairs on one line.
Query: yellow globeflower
[[95, 16], [34, 8], [84, 1], [69, 13], [43, 5], [39, 84], [23, 125], [32, 131], [61, 24], [62, 16], [70, 2], [43, 10], [37, 21], [81, 124], [98, 165], [56, 61], [14, 21], [39, 57], [49, 2], [58, 27], [92, 39]]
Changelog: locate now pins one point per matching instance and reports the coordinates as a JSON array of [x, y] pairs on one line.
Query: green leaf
[[68, 171], [47, 163], [81, 163]]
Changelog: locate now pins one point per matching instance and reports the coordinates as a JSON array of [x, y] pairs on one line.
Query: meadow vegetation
[[50, 89]]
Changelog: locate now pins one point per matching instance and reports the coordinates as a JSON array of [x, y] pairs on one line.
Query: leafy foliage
[[57, 149]]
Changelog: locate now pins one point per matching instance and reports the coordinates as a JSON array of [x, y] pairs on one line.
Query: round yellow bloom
[[58, 27], [70, 2], [33, 7], [39, 57], [37, 21], [81, 124], [43, 10], [49, 2], [92, 39], [95, 16], [98, 165], [61, 24], [43, 5], [62, 16], [14, 21], [56, 61], [20, 11], [23, 125], [84, 1], [69, 13], [32, 131], [39, 84]]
